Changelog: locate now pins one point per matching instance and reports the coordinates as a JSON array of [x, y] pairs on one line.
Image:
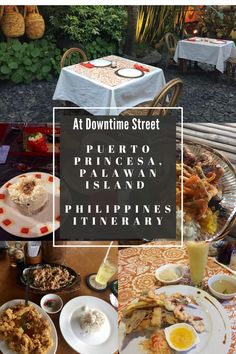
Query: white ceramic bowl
[[169, 329], [51, 303], [175, 267], [219, 277]]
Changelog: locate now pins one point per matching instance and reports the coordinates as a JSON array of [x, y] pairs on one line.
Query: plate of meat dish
[[145, 322], [47, 278], [209, 192], [26, 329]]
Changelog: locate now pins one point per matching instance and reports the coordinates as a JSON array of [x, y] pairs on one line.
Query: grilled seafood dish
[[159, 311], [202, 194]]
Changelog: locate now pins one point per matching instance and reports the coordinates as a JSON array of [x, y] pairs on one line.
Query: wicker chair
[[171, 43], [69, 52], [168, 97], [230, 68]]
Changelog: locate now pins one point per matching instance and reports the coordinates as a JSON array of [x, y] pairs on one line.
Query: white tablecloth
[[87, 92], [206, 52]]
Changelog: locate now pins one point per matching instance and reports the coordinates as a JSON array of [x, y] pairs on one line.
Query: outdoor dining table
[[205, 50], [102, 87], [82, 260], [137, 267]]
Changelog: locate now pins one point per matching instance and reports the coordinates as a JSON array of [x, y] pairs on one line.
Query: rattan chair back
[[67, 55], [168, 97], [171, 41]]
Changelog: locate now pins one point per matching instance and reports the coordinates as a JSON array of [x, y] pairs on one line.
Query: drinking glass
[[198, 254], [99, 281], [106, 271]]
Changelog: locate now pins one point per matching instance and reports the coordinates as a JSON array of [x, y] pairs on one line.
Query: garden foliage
[[98, 30], [24, 62]]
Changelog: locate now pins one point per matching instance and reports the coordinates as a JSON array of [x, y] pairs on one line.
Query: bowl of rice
[[169, 274]]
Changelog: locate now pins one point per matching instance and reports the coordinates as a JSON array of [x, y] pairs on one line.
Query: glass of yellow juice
[[105, 272], [198, 254]]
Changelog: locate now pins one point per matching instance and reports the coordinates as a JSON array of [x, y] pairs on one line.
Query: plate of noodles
[[208, 180], [26, 329]]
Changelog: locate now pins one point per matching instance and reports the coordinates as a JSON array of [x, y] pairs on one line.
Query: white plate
[[3, 346], [130, 73], [101, 62], [217, 41], [38, 225], [103, 342], [216, 338]]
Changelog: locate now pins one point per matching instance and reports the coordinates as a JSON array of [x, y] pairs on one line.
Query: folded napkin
[[87, 65], [141, 68], [191, 39], [4, 150]]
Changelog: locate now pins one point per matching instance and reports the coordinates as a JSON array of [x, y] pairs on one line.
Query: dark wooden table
[[82, 260]]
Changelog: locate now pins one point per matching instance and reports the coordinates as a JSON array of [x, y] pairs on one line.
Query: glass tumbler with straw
[[198, 254], [105, 272]]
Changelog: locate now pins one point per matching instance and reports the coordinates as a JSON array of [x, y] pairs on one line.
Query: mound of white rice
[[191, 229]]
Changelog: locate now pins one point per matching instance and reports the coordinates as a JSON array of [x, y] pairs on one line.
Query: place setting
[[182, 310], [136, 71], [180, 298], [97, 63], [54, 306]]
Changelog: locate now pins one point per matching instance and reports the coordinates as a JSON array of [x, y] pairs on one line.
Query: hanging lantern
[[12, 22], [34, 22]]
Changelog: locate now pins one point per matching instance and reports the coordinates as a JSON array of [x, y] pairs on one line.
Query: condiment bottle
[[232, 263], [224, 250], [19, 258], [113, 64], [11, 254]]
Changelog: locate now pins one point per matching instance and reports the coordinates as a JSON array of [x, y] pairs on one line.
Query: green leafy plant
[[24, 62], [155, 21], [215, 22], [99, 48], [99, 30]]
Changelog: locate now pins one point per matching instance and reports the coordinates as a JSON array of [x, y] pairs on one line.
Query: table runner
[[100, 87], [205, 52], [136, 275]]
